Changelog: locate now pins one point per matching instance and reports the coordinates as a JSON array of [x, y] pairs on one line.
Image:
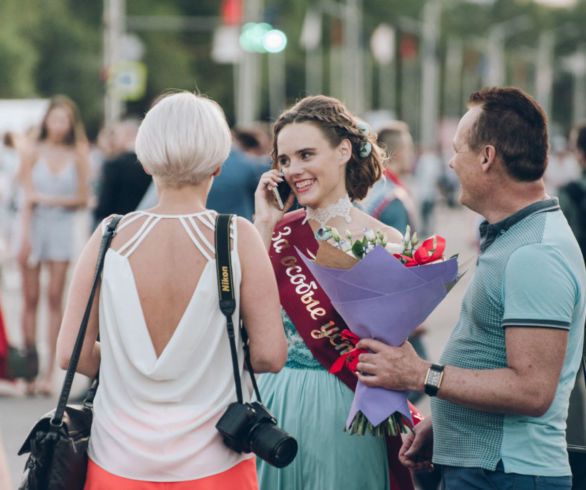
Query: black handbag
[[58, 442]]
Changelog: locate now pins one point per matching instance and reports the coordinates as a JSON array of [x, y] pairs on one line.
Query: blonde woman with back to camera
[[164, 356]]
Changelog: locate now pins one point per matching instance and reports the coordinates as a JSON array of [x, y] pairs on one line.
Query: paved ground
[[18, 412]]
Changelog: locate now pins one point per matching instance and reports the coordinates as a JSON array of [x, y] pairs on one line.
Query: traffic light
[[274, 41], [231, 12], [261, 37]]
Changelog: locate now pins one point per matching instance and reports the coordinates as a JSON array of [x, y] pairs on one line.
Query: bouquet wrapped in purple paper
[[382, 291]]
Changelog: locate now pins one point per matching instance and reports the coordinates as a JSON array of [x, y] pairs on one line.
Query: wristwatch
[[433, 380]]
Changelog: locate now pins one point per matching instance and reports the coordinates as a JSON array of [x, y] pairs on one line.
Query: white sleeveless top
[[154, 418]]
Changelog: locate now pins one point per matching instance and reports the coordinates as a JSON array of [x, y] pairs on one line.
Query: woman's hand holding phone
[[273, 194], [271, 188], [267, 211], [282, 192]]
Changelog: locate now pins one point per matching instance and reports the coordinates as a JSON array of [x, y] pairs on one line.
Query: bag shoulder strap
[[228, 302], [57, 419]]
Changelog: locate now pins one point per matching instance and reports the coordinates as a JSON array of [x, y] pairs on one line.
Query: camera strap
[[228, 302]]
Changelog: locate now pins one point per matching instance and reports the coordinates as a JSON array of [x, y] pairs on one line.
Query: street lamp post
[[495, 74], [454, 77], [277, 95], [114, 14], [544, 70], [495, 71], [430, 74], [311, 42], [579, 98], [248, 88], [382, 45], [576, 65], [353, 65]]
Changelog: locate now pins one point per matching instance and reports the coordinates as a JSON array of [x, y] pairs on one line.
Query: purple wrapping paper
[[382, 299]]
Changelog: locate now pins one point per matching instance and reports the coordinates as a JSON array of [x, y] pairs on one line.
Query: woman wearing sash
[[329, 160]]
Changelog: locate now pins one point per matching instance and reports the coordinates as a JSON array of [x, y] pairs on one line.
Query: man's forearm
[[494, 390]]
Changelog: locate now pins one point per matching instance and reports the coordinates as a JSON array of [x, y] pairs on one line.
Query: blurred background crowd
[[405, 67], [387, 60]]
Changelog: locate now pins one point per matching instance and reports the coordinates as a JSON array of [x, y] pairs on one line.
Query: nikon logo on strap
[[225, 279]]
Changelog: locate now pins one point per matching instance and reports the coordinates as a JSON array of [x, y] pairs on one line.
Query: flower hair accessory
[[366, 146]]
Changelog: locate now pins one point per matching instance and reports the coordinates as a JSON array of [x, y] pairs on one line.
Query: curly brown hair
[[336, 123]]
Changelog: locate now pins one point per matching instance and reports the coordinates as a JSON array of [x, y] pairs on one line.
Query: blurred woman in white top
[[163, 355], [53, 174]]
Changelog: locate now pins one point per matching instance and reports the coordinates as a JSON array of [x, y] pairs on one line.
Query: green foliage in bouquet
[[394, 425]]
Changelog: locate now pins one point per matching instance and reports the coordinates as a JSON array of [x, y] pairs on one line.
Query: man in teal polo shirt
[[501, 389]]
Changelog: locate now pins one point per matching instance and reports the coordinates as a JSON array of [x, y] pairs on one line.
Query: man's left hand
[[393, 368]]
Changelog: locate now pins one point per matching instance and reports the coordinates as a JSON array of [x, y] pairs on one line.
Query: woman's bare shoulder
[[81, 153], [392, 234], [30, 153], [247, 232]]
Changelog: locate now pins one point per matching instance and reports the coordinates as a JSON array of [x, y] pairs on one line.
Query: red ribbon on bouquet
[[430, 250], [349, 358]]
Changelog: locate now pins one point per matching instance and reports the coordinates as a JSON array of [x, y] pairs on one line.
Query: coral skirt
[[240, 477]]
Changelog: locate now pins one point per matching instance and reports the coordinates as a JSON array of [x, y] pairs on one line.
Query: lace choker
[[323, 215]]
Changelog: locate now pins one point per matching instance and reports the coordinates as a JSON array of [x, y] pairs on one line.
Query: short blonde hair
[[183, 139]]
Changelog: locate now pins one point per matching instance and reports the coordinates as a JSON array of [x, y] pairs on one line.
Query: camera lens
[[273, 445]]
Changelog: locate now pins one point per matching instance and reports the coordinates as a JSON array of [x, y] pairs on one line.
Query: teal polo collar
[[489, 232]]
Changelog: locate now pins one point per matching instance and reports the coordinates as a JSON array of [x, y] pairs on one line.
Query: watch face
[[433, 380], [434, 377]]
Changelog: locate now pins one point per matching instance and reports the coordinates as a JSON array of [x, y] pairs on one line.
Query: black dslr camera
[[249, 427]]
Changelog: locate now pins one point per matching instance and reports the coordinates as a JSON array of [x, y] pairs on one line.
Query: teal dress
[[312, 405]]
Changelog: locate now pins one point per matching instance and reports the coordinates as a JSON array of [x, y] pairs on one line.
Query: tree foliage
[[18, 56], [55, 46]]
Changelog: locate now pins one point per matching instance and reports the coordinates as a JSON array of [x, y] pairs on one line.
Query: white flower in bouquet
[[356, 248], [394, 248]]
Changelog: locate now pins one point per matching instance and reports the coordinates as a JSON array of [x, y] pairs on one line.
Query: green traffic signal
[[274, 41], [262, 38]]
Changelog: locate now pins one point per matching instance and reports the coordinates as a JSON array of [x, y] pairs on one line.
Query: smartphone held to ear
[[281, 193]]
